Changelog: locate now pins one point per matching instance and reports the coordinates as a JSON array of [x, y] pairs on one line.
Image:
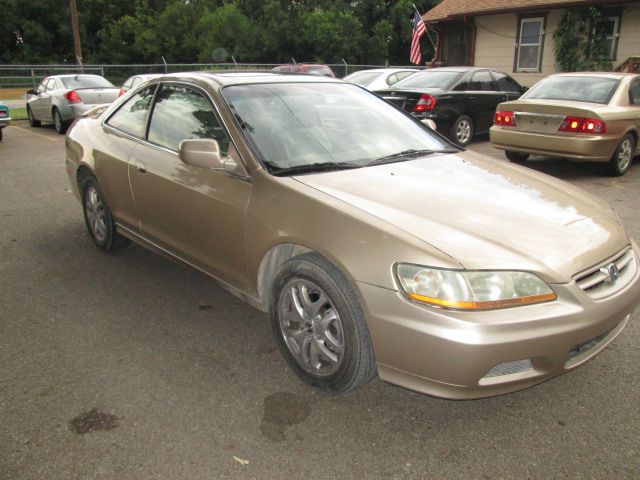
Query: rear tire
[[462, 130], [98, 218], [516, 156], [623, 156], [60, 125], [32, 121], [319, 326], [1, 134]]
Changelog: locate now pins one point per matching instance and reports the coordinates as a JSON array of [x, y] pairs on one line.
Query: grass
[[15, 93], [18, 113]]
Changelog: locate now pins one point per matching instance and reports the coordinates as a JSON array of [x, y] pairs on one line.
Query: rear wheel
[[32, 121], [621, 159], [516, 156], [462, 130], [61, 126], [98, 218], [1, 134], [319, 325]]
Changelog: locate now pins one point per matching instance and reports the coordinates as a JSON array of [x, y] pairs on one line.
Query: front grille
[[609, 276]]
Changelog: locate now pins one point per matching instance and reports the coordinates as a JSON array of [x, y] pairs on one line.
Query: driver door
[[194, 213]]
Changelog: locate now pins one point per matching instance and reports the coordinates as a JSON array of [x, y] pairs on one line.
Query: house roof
[[452, 9]]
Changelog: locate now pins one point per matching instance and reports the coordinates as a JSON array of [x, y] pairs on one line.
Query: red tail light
[[73, 97], [425, 104], [506, 119], [121, 91], [582, 125]]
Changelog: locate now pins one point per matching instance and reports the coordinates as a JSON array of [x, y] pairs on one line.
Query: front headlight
[[471, 290]]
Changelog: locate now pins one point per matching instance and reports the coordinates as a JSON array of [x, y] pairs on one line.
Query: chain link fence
[[29, 76]]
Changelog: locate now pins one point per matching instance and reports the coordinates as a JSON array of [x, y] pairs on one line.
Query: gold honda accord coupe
[[375, 245], [583, 116]]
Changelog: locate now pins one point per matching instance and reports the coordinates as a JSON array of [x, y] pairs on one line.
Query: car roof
[[616, 75], [249, 77], [390, 70], [74, 75]]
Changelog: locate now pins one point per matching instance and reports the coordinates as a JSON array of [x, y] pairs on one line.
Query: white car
[[379, 78]]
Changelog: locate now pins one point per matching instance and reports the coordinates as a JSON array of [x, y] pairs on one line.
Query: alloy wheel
[[463, 131], [624, 154], [311, 327], [96, 213]]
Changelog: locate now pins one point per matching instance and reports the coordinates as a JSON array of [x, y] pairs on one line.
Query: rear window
[[432, 79], [362, 78], [575, 88], [86, 81]]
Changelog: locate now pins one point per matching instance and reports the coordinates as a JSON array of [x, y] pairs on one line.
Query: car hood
[[484, 213]]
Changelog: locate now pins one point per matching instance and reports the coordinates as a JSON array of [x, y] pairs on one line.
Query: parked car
[[460, 100], [5, 117], [135, 80], [583, 116], [379, 78], [307, 68], [375, 244], [60, 99]]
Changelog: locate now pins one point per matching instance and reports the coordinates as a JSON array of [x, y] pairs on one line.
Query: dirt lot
[[126, 366]]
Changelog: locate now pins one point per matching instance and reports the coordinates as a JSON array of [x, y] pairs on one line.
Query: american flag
[[419, 29]]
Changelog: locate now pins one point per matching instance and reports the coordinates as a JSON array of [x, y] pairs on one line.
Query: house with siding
[[516, 36]]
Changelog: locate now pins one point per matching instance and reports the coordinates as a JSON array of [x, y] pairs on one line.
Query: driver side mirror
[[205, 153], [31, 92]]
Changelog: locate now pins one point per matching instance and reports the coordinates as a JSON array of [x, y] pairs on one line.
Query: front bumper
[[596, 148], [464, 355]]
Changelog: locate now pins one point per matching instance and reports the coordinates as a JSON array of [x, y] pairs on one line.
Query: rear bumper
[[596, 148], [461, 355], [4, 121], [74, 110]]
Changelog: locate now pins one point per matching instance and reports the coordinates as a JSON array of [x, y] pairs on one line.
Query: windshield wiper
[[400, 156], [312, 167]]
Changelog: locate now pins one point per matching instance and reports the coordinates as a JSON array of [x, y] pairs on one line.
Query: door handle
[[140, 166]]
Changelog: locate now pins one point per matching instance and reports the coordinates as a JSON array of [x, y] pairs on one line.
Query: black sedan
[[460, 100]]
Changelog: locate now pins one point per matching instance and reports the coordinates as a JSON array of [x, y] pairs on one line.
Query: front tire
[[319, 325], [32, 121], [60, 125], [516, 156], [98, 218], [623, 156], [462, 130]]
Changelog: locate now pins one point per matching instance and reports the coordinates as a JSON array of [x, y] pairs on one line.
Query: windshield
[[579, 89], [432, 79], [296, 124], [362, 78], [86, 81]]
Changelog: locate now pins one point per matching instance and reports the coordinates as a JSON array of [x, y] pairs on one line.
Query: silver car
[[60, 99]]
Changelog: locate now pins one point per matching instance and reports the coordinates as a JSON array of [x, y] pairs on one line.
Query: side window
[[403, 75], [506, 83], [131, 117], [634, 92], [462, 86], [481, 82], [41, 88], [181, 113], [51, 84], [391, 79]]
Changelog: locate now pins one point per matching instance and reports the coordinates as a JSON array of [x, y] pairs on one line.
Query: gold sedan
[[582, 116], [375, 245]]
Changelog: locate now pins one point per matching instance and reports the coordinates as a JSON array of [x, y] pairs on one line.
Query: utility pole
[[76, 31]]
